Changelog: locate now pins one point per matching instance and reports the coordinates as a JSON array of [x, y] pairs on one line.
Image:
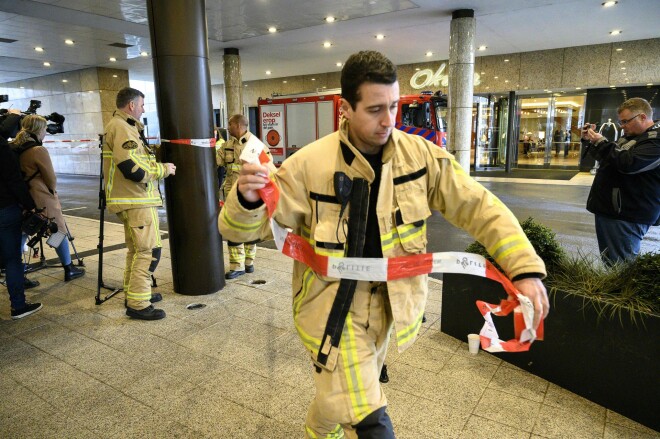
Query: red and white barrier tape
[[206, 143], [387, 269]]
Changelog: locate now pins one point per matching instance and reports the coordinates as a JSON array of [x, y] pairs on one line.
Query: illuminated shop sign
[[427, 79]]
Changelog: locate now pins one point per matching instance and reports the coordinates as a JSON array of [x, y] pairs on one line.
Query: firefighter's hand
[[14, 111], [535, 291], [252, 178], [170, 168]]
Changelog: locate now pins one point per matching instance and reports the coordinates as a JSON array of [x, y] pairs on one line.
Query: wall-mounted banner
[[427, 79]]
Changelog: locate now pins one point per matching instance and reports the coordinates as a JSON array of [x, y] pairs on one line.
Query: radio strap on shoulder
[[357, 227]]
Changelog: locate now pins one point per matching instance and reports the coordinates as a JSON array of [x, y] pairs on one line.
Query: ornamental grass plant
[[631, 287]]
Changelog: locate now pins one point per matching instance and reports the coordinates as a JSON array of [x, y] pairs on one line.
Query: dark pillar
[[183, 95]]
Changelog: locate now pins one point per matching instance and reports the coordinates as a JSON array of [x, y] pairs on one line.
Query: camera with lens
[[55, 120], [37, 226]]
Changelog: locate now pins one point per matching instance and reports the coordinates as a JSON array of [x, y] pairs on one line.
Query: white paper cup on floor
[[473, 343]]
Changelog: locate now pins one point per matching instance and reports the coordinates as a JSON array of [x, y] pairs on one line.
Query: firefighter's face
[[373, 118], [136, 107]]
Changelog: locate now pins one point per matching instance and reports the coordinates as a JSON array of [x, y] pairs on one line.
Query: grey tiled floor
[[236, 369]]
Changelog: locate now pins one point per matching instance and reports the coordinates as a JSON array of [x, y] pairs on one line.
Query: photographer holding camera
[[14, 198], [625, 196], [40, 176]]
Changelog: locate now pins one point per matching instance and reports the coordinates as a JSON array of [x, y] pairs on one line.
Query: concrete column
[[233, 82], [461, 79], [183, 96]]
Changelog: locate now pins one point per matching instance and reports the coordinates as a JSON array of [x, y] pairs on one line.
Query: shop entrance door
[[549, 135], [489, 132]]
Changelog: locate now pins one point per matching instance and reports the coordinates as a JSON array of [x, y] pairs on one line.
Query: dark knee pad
[[155, 259], [377, 425]]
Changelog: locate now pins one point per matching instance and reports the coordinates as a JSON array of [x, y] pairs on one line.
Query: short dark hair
[[365, 66], [126, 95], [638, 105]]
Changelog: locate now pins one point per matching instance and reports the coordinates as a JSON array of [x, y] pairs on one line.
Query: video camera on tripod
[[38, 226], [56, 120]]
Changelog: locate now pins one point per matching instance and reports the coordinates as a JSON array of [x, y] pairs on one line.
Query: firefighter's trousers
[[351, 392], [241, 255], [142, 236]]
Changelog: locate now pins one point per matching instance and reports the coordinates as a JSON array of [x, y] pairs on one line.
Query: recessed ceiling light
[[113, 59], [429, 53], [39, 49], [47, 64], [506, 80], [114, 76], [327, 44], [313, 79], [622, 61], [623, 68], [625, 73], [144, 54], [578, 88], [268, 72], [618, 49], [272, 29], [609, 4], [483, 47], [69, 42], [329, 19], [24, 87], [506, 60], [380, 36], [649, 84], [65, 80], [496, 77], [338, 64], [284, 82], [483, 73], [615, 32], [417, 69]]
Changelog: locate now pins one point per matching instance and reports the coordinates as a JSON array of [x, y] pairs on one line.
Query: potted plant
[[601, 337]]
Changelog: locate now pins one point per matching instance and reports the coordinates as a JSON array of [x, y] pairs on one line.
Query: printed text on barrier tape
[[387, 269], [209, 143]]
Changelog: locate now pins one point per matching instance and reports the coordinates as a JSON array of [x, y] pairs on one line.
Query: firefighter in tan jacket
[[242, 253], [132, 192], [407, 177]]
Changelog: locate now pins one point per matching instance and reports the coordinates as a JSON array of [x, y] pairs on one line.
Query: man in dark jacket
[[11, 123], [14, 199], [625, 195]]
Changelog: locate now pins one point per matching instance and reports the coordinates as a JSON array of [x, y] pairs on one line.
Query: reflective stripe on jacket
[[417, 177]]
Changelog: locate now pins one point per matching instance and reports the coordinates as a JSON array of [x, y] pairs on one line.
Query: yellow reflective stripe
[[507, 246], [242, 226], [133, 200], [111, 179], [412, 233], [311, 343], [352, 371], [310, 433], [234, 167], [138, 296], [235, 254], [410, 332], [107, 154], [336, 433], [389, 240], [156, 223]]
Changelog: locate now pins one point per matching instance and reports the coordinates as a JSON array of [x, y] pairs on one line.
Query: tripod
[[42, 258], [102, 203]]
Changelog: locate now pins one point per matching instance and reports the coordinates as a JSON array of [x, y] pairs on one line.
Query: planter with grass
[[602, 332]]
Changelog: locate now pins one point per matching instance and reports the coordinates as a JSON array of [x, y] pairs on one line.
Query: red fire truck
[[290, 122]]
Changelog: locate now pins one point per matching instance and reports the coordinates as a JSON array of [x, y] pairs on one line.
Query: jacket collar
[[129, 119]]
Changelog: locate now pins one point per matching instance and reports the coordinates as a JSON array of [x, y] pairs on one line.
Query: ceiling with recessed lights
[[286, 37]]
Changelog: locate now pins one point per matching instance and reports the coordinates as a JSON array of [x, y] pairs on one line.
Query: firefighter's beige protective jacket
[[122, 142], [417, 177]]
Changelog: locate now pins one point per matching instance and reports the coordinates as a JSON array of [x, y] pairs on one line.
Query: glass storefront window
[[489, 132], [549, 130]]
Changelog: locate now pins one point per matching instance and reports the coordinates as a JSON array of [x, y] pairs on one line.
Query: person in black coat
[[14, 200]]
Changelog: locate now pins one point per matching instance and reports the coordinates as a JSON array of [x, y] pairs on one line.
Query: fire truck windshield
[[417, 115]]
